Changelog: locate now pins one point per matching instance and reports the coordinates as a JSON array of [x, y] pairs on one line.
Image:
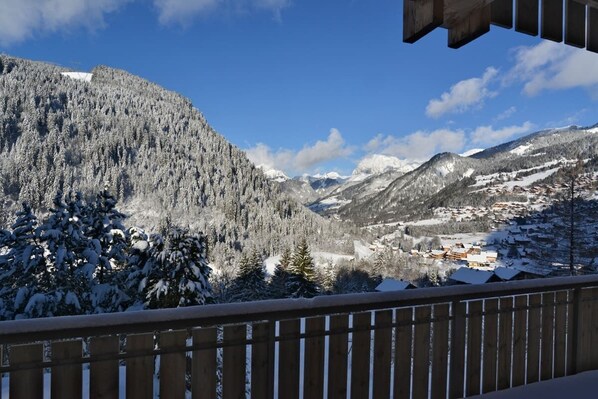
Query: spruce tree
[[302, 278], [178, 272], [250, 284], [278, 282]]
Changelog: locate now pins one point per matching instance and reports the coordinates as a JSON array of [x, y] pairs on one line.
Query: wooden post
[[552, 20], [233, 361], [204, 364], [337, 356], [173, 365], [421, 351], [575, 20], [403, 343], [27, 383], [573, 330], [505, 321], [592, 29], [382, 354], [457, 365], [440, 347], [67, 380], [547, 347], [533, 338], [502, 13], [288, 374], [313, 371], [474, 347], [140, 369], [470, 28], [490, 345], [526, 17], [360, 358], [262, 372], [519, 340], [103, 375], [560, 334], [421, 17]]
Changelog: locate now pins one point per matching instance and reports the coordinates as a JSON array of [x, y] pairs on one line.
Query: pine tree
[[22, 266], [178, 272], [278, 282], [302, 278], [250, 284]]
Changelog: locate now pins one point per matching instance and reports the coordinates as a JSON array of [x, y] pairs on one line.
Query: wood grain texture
[[403, 345], [203, 364], [173, 365], [103, 375], [140, 369], [526, 16], [313, 372], [234, 361], [360, 349], [519, 340], [338, 356], [262, 361], [27, 383], [490, 345], [505, 321], [288, 375], [440, 345]]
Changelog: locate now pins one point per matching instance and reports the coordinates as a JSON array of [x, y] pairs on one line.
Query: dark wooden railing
[[438, 342]]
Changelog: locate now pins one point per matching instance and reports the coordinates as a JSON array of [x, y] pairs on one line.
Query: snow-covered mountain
[[150, 146], [377, 164]]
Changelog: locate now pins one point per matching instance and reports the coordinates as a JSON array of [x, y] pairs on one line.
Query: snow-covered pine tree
[[22, 267], [178, 273], [278, 282], [302, 278], [250, 284], [68, 259], [107, 243]]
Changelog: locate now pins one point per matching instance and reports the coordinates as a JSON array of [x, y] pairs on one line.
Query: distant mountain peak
[[273, 174], [375, 164]]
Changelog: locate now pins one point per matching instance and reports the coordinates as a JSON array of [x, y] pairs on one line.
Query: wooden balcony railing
[[439, 342]]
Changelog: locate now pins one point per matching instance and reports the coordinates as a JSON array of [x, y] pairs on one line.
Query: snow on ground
[[86, 77], [482, 180], [522, 149], [321, 259], [469, 172], [428, 222], [361, 250], [471, 152], [529, 180]]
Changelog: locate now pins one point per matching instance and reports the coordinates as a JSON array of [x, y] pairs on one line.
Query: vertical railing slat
[[502, 13], [584, 333], [526, 16], [474, 347], [490, 345], [575, 23], [234, 361], [288, 374], [560, 331], [382, 353], [204, 364], [593, 362], [533, 338], [421, 351], [337, 356], [505, 322], [440, 345], [173, 365], [140, 369], [103, 375], [547, 345], [66, 380], [552, 20], [262, 361], [519, 340], [360, 357], [27, 383], [457, 361], [403, 344], [313, 371]]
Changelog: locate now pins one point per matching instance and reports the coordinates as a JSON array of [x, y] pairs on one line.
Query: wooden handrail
[[20, 331]]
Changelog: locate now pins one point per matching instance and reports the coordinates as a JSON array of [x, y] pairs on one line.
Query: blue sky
[[312, 86]]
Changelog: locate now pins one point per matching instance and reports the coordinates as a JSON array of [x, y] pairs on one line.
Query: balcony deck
[[439, 342]]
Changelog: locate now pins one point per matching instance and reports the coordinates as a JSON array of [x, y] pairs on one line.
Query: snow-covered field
[[86, 77]]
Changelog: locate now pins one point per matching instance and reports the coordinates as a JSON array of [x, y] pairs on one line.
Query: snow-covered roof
[[476, 258], [391, 284], [506, 273], [471, 276], [532, 270]]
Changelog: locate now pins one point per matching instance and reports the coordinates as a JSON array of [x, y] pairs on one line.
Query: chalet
[[466, 275], [457, 254], [476, 260], [508, 273], [391, 284], [437, 254]]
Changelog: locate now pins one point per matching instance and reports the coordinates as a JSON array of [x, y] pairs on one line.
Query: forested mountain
[[150, 146]]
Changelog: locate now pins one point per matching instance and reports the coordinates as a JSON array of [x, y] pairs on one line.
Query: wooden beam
[[592, 29], [575, 20], [421, 17], [502, 13], [473, 26], [552, 20], [526, 17]]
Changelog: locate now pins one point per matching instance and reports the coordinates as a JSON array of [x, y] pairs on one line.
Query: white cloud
[[487, 135], [421, 145], [22, 19], [506, 114], [463, 95], [304, 160], [183, 11], [552, 66]]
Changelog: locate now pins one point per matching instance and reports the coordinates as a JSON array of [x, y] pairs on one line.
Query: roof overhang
[[573, 21]]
